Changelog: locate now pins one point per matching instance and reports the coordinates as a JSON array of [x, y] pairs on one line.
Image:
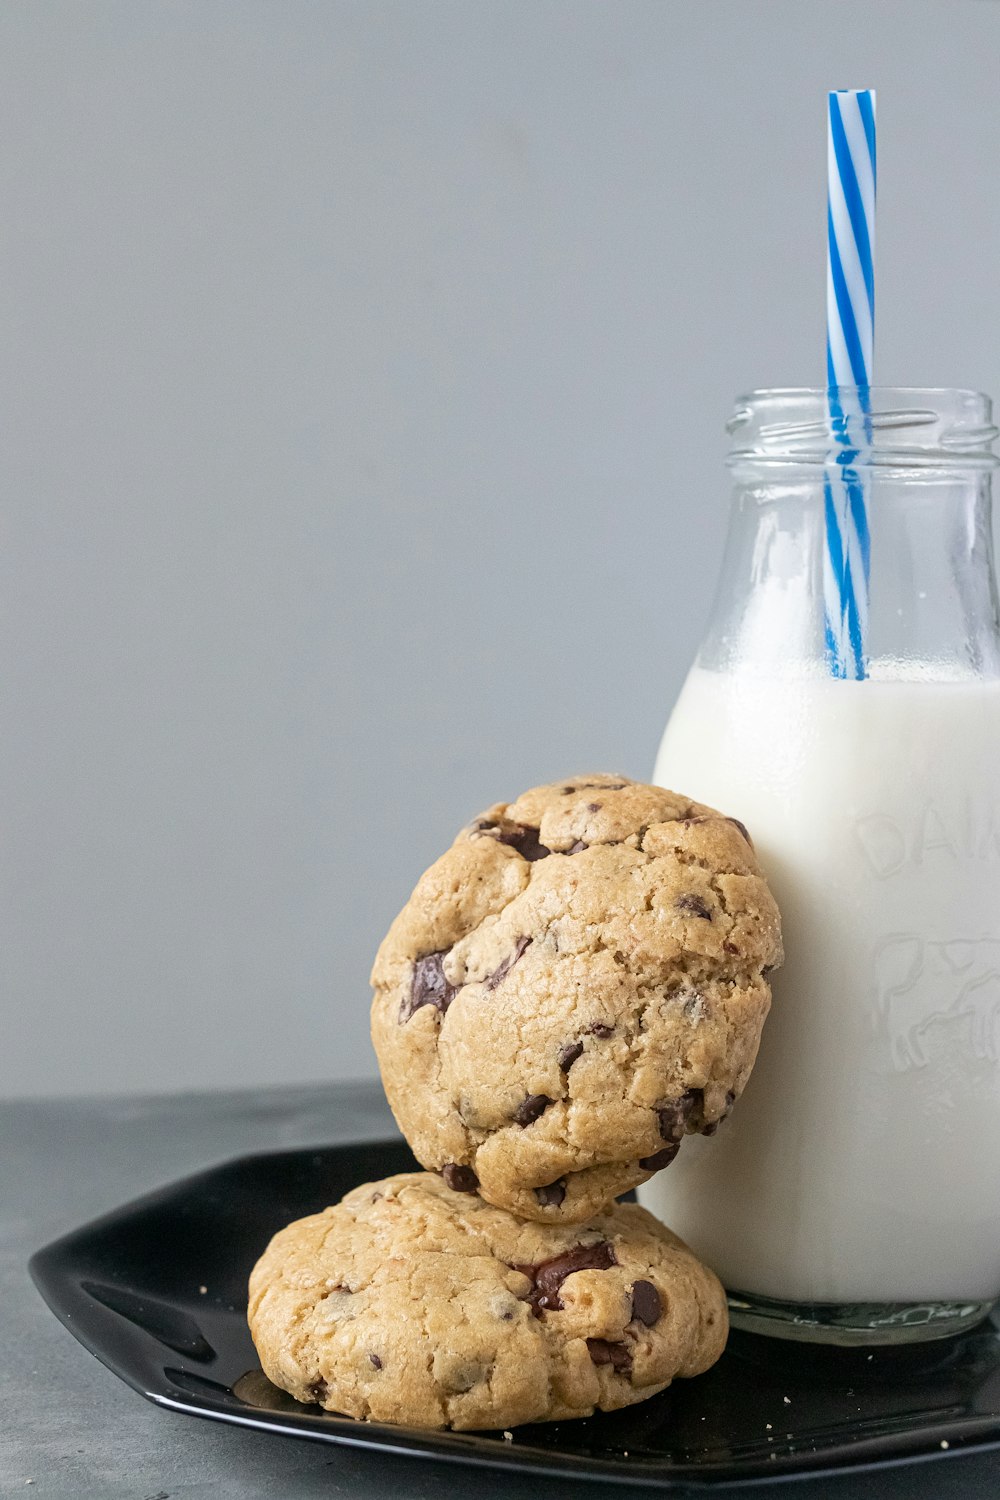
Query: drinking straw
[[850, 324]]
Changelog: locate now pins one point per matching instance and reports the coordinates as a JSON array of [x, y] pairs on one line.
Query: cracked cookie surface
[[577, 983], [410, 1302]]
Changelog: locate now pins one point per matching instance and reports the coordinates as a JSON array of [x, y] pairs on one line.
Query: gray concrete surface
[[364, 374], [70, 1430]]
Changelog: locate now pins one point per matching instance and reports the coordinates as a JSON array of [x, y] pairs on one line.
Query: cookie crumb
[[203, 1290], [787, 1400], [508, 1436], [945, 1444]]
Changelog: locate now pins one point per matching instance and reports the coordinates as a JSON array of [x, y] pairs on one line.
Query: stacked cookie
[[578, 983]]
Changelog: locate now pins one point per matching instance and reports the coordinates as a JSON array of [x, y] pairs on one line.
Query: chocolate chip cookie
[[577, 983], [415, 1303]]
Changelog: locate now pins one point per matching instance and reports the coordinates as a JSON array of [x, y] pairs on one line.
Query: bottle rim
[[902, 427]]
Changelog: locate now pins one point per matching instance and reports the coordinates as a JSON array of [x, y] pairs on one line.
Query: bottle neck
[[932, 596]]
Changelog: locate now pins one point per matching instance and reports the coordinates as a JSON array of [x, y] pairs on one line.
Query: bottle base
[[856, 1324]]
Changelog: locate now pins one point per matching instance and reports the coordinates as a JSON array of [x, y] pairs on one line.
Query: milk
[[862, 1163]]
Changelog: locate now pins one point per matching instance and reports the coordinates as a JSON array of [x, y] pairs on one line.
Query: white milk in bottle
[[855, 1192]]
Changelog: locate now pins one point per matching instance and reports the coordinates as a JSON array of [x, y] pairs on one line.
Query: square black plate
[[157, 1291]]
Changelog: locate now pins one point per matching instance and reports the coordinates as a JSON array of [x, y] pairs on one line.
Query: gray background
[[364, 374]]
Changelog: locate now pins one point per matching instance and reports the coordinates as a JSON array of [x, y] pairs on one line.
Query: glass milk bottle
[[854, 1196]]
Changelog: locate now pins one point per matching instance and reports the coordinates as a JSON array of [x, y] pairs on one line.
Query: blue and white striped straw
[[850, 326]]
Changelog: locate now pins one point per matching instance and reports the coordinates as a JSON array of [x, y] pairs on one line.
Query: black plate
[[157, 1290]]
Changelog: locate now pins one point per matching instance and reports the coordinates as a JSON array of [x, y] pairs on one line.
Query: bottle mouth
[[899, 427]]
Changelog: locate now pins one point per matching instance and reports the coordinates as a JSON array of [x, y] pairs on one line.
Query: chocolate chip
[[459, 1179], [618, 1356], [578, 847], [674, 1116], [428, 986], [660, 1158], [318, 1391], [595, 786], [552, 1194], [593, 806], [376, 1362], [713, 1125], [518, 835], [694, 904], [500, 974], [703, 818], [767, 969], [548, 1275], [602, 1029], [524, 839], [728, 947], [458, 1374], [569, 1055], [646, 1305], [528, 1111]]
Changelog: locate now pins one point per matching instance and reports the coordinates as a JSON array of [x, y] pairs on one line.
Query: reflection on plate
[[157, 1290]]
